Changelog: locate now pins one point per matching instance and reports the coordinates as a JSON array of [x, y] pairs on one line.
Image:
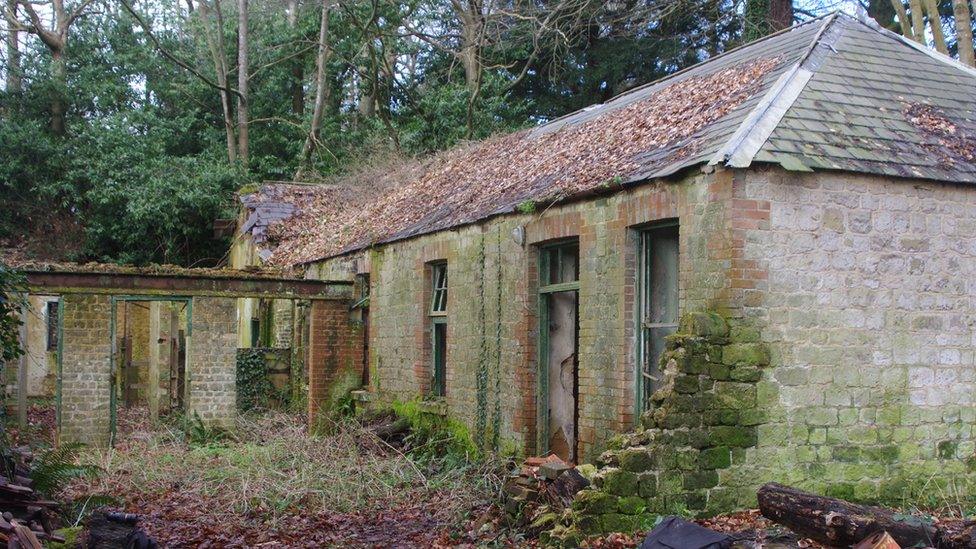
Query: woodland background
[[126, 126]]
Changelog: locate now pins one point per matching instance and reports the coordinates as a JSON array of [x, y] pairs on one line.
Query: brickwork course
[[86, 376], [212, 362]]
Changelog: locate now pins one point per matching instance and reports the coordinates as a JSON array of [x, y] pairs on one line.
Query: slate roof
[[853, 113], [832, 93]]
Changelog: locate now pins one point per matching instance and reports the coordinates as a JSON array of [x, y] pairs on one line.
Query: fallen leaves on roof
[[950, 142], [475, 181]]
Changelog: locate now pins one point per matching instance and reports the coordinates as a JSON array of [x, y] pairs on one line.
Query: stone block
[[745, 354]]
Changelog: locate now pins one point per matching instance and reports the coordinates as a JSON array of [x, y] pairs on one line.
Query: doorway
[[149, 342], [559, 349]]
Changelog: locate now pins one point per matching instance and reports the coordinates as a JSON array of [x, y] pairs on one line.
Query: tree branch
[[159, 46]]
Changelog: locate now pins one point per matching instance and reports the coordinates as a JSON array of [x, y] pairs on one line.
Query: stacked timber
[[25, 518]]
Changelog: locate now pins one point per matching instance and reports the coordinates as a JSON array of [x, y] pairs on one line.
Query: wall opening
[[149, 342], [657, 305], [559, 349]]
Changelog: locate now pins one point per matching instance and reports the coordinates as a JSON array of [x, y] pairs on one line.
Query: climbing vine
[[482, 389], [254, 388]]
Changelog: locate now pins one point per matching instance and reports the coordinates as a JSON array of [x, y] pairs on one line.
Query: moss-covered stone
[[700, 480], [732, 436], [715, 458], [617, 522], [620, 483], [745, 354], [631, 505], [704, 324], [636, 459], [647, 485], [594, 502]]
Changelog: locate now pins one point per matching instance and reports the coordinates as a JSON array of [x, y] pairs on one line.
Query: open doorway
[[559, 348], [149, 341]]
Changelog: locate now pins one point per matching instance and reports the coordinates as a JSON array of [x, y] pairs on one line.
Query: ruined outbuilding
[[761, 267], [163, 338]]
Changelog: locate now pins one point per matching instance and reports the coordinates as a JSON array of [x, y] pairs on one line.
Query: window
[[560, 264], [52, 325], [658, 304], [438, 328], [438, 304]]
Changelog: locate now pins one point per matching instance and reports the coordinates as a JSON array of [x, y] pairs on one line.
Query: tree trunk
[[964, 31], [903, 20], [322, 89], [918, 20], [935, 20], [217, 52], [242, 82], [780, 14], [60, 75], [835, 522], [15, 83], [297, 74]]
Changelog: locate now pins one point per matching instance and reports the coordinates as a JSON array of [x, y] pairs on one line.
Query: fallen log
[[838, 523]]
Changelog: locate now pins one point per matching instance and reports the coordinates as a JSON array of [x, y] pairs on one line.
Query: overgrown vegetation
[[273, 482], [11, 301]]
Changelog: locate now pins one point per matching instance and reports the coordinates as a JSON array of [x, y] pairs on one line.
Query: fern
[[52, 470]]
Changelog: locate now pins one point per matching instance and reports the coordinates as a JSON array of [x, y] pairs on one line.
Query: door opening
[[559, 349]]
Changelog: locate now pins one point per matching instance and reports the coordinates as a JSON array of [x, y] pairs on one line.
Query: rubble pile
[[25, 518]]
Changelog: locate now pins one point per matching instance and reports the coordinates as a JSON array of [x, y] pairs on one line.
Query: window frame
[[544, 292], [438, 293], [641, 328]]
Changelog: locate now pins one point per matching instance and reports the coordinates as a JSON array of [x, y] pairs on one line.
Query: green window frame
[[657, 304], [558, 272], [438, 338], [438, 328]]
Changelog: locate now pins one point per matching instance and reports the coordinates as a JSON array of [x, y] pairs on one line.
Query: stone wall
[[869, 314], [493, 302], [212, 361], [692, 449], [85, 369]]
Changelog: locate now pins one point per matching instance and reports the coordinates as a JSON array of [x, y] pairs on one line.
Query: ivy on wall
[[254, 387]]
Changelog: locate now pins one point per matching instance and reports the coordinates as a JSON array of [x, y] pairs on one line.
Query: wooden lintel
[[185, 285]]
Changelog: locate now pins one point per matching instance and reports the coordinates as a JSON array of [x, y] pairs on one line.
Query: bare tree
[[242, 82], [297, 74], [322, 89], [55, 38], [964, 31], [218, 52], [14, 77], [935, 22]]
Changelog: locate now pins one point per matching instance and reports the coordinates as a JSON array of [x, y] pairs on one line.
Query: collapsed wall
[[693, 442]]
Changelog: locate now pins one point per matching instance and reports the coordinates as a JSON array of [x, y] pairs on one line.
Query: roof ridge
[[755, 129], [690, 68]]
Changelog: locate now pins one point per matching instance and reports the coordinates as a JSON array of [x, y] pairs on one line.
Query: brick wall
[[335, 357], [86, 370], [493, 301], [212, 361], [868, 295]]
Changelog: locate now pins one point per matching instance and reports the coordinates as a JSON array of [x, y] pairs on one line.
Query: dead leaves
[[956, 144], [471, 182]]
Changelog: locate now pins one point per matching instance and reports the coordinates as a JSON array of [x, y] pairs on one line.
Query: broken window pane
[[439, 288], [658, 290], [562, 264]]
